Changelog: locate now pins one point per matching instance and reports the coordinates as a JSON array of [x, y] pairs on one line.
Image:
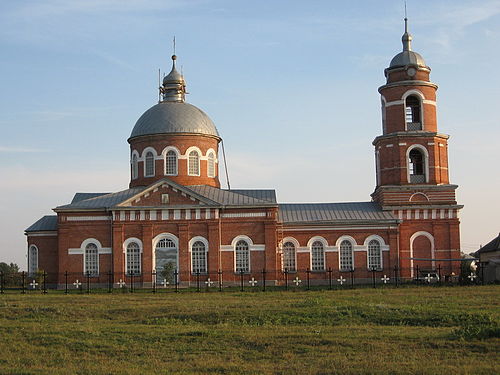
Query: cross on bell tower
[[412, 162]]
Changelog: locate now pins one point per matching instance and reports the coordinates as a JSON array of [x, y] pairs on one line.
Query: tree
[[168, 272], [11, 275]]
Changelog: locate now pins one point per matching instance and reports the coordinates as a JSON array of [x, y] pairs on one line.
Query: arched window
[[133, 261], [374, 255], [242, 261], [211, 165], [199, 257], [289, 256], [135, 167], [171, 163], [91, 262], [33, 259], [416, 166], [346, 256], [317, 256], [149, 170], [412, 113], [194, 163]]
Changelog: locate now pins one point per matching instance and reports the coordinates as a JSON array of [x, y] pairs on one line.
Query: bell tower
[[412, 166]]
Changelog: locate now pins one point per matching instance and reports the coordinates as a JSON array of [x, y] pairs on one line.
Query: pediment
[[166, 193]]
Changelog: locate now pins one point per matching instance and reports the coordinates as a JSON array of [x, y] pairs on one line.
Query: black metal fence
[[263, 280]]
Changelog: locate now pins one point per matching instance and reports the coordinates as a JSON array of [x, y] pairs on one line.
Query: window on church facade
[[33, 259], [317, 256], [211, 165], [133, 261], [412, 113], [374, 255], [150, 164], [91, 260], [289, 256], [171, 163], [242, 257], [135, 167], [194, 163], [416, 166], [199, 257], [346, 256]]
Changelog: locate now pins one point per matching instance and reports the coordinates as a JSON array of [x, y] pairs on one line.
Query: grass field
[[418, 330]]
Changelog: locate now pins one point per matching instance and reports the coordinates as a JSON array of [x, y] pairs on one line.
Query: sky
[[291, 86]]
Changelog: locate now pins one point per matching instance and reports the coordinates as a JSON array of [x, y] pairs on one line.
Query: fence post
[[1, 282], [263, 279], [132, 282], [23, 278], [176, 282], [352, 277], [308, 272], [44, 282], [330, 278], [219, 273], [439, 274], [65, 282], [197, 281], [154, 281], [241, 280], [396, 275], [110, 282], [88, 282], [286, 278], [373, 277], [418, 274]]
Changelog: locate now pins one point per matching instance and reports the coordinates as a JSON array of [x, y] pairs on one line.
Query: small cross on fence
[[164, 283], [121, 283], [472, 276], [209, 283], [428, 278], [341, 280], [385, 279], [77, 284], [33, 284], [253, 282], [297, 281]]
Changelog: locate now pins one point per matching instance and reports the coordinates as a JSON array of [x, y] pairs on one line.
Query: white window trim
[[249, 242], [190, 248], [85, 259], [413, 238], [200, 154], [421, 98], [135, 166], [164, 157], [309, 246], [211, 151], [297, 247], [383, 247], [426, 161], [353, 249], [32, 246]]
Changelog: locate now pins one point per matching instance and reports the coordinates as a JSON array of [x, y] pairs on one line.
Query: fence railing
[[71, 282]]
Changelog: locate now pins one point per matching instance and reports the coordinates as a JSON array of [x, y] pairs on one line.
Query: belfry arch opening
[[413, 113], [416, 166]]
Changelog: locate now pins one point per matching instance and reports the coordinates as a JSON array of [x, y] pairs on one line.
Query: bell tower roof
[[408, 56]]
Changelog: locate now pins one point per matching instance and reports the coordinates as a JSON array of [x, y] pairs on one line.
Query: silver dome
[[174, 117], [407, 58]]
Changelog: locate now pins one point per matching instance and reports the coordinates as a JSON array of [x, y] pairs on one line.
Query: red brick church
[[175, 211]]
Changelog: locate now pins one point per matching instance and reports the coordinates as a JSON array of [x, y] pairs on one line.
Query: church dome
[[174, 117], [407, 58]]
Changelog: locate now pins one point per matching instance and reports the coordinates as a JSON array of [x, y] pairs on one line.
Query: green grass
[[419, 330]]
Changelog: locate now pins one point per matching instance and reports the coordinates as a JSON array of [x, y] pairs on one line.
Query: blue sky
[[291, 86]]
